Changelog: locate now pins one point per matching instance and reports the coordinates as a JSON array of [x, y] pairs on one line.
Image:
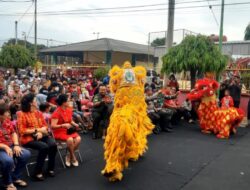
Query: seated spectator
[[227, 100], [44, 89], [54, 91], [33, 132], [174, 105], [77, 115], [45, 108], [65, 87], [186, 111], [64, 129], [84, 91], [13, 157], [33, 89], [160, 116], [25, 86], [101, 112]]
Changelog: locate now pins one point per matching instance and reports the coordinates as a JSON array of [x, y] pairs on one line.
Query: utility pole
[[35, 49], [170, 30], [97, 34], [148, 47], [16, 32], [221, 24], [24, 36]]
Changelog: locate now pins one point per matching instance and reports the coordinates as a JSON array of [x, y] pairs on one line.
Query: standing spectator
[[173, 83], [64, 129], [25, 86], [33, 132], [13, 157], [223, 86], [248, 112], [227, 101], [235, 90], [101, 112], [15, 101]]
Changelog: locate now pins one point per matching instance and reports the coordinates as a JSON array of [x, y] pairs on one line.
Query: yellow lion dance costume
[[129, 124]]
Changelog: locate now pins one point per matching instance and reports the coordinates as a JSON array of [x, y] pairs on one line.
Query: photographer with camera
[[34, 134], [65, 129], [102, 109]]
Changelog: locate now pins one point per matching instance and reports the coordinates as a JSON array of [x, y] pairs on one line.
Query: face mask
[[57, 89]]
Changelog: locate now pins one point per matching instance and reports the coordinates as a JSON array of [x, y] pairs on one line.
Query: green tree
[[247, 32], [196, 55], [29, 46], [15, 56], [101, 72], [158, 42]]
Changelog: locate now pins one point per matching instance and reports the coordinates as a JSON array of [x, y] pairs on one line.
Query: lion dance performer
[[220, 121], [129, 124]]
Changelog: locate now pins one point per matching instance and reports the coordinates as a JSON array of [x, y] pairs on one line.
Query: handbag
[[71, 130]]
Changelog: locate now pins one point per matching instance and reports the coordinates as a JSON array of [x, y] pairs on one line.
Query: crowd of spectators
[[37, 111]]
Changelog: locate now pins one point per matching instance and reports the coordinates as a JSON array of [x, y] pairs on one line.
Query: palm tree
[[195, 54], [247, 32]]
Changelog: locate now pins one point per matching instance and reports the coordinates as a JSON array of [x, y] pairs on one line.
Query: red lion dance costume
[[220, 121], [129, 124]]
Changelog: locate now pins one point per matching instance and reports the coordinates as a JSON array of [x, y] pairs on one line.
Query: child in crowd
[[227, 100], [45, 108]]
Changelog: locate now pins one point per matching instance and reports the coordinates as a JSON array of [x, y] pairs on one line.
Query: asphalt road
[[185, 159]]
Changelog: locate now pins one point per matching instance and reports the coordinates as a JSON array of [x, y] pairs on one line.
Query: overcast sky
[[133, 27]]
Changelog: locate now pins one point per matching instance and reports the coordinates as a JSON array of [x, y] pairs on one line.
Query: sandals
[[67, 161], [20, 183], [11, 187], [51, 173], [75, 163], [39, 177]]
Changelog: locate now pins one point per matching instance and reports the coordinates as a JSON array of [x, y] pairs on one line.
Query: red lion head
[[203, 88]]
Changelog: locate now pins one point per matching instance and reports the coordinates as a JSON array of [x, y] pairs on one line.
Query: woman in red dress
[[64, 129]]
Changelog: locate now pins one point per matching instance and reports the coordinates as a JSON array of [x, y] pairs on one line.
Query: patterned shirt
[[6, 131], [29, 120]]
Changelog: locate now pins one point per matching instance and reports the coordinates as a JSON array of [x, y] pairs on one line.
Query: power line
[[123, 7], [31, 27], [211, 8], [9, 1], [26, 11], [54, 13]]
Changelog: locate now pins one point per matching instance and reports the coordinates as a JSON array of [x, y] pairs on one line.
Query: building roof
[[103, 44]]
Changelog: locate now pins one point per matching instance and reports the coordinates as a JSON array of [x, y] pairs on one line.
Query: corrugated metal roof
[[235, 42], [103, 44]]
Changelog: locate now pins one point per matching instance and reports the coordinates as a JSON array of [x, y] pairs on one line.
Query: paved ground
[[184, 159]]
